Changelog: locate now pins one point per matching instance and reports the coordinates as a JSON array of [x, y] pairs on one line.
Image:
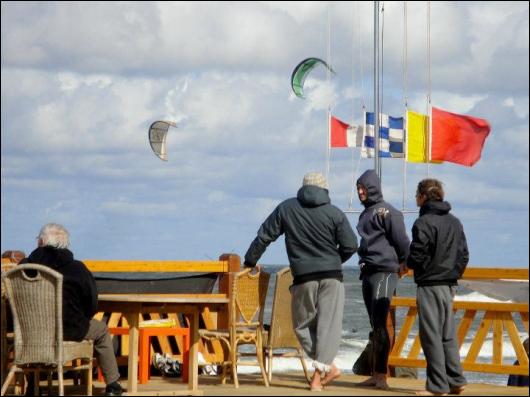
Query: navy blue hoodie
[[318, 236], [384, 240]]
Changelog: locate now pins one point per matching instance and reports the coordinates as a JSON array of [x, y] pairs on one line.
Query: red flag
[[339, 134], [344, 135], [457, 138]]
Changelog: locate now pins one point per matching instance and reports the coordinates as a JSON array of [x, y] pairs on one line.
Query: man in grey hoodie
[[318, 239], [382, 254]]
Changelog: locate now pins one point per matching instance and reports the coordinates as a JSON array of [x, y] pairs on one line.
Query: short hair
[[54, 235], [431, 188]]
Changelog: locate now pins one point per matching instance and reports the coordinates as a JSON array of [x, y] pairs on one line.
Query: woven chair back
[[249, 294], [35, 296], [281, 333]]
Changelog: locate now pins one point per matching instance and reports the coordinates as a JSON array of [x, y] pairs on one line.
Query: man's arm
[[347, 240], [419, 249], [269, 231]]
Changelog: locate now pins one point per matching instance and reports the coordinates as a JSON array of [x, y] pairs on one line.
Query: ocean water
[[356, 327]]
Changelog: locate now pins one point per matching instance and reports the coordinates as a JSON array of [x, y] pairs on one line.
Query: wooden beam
[[468, 305], [156, 266]]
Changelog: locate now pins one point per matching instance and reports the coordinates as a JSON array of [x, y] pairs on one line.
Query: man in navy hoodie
[[318, 239], [80, 300], [382, 253]]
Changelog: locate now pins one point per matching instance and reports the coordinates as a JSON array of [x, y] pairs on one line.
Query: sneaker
[[113, 389]]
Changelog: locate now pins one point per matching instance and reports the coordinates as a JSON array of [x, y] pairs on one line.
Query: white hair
[[54, 235]]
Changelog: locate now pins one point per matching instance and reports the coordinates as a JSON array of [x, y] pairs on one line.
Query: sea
[[356, 327]]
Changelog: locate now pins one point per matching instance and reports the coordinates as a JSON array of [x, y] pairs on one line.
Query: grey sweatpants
[[317, 308], [104, 352], [438, 338]]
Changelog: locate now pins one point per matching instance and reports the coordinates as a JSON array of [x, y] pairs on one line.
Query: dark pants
[[438, 338], [378, 289]]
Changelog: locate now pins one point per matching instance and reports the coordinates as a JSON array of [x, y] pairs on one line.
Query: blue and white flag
[[390, 136]]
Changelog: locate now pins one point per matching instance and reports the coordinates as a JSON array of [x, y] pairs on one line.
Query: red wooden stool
[[144, 349]]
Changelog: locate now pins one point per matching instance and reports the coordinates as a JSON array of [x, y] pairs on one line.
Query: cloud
[[77, 103]]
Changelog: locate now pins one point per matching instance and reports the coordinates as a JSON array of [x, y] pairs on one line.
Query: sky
[[82, 82]]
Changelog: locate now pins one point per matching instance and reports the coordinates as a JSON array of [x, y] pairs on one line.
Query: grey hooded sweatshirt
[[384, 241], [318, 236]]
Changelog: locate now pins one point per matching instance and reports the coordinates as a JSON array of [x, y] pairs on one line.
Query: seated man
[[80, 300]]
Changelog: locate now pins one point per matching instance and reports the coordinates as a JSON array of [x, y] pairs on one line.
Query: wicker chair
[[280, 334], [36, 304], [247, 303]]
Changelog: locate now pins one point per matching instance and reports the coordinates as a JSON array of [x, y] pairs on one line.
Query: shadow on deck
[[294, 384]]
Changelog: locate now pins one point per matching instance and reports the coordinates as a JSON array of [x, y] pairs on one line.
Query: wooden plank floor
[[293, 384]]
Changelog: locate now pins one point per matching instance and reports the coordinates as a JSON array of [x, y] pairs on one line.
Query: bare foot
[[457, 390], [368, 382], [316, 384], [334, 373], [429, 393], [382, 385]]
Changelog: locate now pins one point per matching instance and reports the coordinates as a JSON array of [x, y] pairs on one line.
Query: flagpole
[[328, 151], [377, 160]]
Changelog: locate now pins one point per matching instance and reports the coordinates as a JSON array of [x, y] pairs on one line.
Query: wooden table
[[132, 305]]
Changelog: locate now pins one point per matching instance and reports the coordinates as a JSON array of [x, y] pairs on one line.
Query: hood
[[435, 207], [372, 183], [312, 196], [52, 257]]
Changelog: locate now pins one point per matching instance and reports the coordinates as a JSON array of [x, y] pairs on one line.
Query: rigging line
[[382, 52], [359, 21], [429, 106], [359, 128], [328, 148], [353, 102], [405, 100]]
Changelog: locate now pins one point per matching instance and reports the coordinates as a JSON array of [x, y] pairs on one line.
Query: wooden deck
[[293, 384]]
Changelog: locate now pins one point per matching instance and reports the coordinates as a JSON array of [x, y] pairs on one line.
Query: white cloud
[[77, 103]]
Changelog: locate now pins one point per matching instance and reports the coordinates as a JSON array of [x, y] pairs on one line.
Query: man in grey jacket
[[318, 239], [382, 254]]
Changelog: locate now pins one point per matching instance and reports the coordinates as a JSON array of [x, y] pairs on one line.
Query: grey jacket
[[384, 241], [318, 236]]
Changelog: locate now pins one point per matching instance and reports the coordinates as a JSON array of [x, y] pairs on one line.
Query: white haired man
[[80, 300], [318, 240]]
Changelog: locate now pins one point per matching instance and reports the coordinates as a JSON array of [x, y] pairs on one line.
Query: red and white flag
[[344, 135]]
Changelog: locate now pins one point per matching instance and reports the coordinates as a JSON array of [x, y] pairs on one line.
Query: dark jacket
[[384, 240], [438, 253], [80, 296], [318, 236]]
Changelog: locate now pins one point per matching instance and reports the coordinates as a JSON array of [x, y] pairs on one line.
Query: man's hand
[[403, 269], [254, 269]]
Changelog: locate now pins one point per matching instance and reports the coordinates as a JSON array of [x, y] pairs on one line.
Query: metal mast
[[377, 160]]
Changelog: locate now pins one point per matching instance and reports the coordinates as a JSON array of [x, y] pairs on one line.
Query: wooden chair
[[280, 333], [247, 303], [37, 304]]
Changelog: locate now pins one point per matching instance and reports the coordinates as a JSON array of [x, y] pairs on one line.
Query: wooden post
[[234, 265]]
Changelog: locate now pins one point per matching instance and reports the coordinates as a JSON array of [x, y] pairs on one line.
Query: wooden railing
[[225, 266], [492, 316]]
